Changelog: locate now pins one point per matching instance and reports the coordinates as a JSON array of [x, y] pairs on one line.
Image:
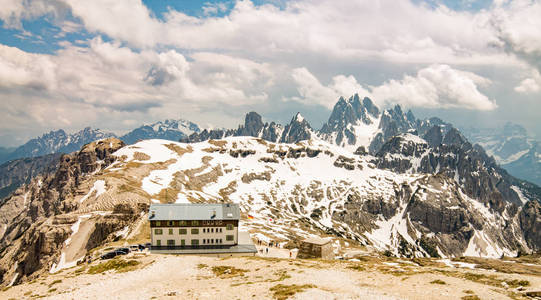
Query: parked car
[[124, 249], [112, 254], [147, 245], [134, 248]]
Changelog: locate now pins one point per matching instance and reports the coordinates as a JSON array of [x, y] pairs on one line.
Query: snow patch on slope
[[98, 187]]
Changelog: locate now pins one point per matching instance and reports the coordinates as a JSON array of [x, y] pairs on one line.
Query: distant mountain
[[512, 148], [58, 142], [168, 130], [61, 142]]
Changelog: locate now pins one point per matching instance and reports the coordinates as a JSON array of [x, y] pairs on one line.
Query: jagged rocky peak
[[297, 130], [351, 111], [454, 137], [434, 136], [252, 124]]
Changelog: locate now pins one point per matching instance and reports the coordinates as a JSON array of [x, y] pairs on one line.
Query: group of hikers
[[268, 245]]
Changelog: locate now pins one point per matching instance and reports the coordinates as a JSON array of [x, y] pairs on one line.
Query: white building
[[193, 226]]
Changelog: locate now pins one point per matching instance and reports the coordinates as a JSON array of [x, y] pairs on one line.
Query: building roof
[[194, 211], [317, 241]]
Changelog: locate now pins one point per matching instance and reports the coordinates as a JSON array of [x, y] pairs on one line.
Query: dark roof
[[194, 211]]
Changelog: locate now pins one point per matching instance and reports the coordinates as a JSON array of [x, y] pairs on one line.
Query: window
[[220, 230], [158, 223], [204, 241], [158, 243], [212, 241], [195, 231], [212, 230], [195, 242], [158, 231], [195, 223], [170, 242], [182, 223], [170, 223], [229, 237], [182, 242], [229, 226], [171, 231], [204, 230], [182, 231]]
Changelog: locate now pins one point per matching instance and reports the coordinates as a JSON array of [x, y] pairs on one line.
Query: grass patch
[[438, 281], [28, 293], [55, 282], [52, 290], [469, 292], [228, 271], [357, 268], [470, 297], [282, 292], [119, 265], [201, 266], [516, 283], [514, 266], [282, 275], [80, 270]]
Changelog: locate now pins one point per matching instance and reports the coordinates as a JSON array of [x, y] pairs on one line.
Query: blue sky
[[115, 65]]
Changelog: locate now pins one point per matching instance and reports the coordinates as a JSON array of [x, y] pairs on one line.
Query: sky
[[116, 65]]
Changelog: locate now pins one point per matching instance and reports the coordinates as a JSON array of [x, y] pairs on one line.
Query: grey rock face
[[17, 172], [434, 136], [297, 130], [530, 222]]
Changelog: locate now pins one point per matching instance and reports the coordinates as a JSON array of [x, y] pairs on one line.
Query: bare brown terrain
[[150, 276]]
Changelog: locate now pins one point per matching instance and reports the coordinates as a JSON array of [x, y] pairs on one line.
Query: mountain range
[[512, 148], [382, 179], [61, 142]]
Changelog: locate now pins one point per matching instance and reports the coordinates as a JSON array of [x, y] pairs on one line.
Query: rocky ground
[[150, 276]]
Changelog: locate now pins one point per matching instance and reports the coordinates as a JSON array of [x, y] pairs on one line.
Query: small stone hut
[[316, 248]]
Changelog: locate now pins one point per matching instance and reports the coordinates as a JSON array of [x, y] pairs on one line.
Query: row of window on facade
[[182, 231], [189, 223], [195, 242]]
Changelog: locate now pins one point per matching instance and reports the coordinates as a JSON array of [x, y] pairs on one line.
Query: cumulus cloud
[[530, 85], [436, 86], [313, 92], [518, 25], [245, 55]]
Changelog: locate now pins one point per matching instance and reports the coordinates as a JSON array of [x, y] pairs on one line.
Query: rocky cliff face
[[38, 218], [15, 173]]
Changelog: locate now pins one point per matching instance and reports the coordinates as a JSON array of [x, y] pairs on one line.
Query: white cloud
[[312, 92], [154, 67], [436, 86], [530, 85]]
